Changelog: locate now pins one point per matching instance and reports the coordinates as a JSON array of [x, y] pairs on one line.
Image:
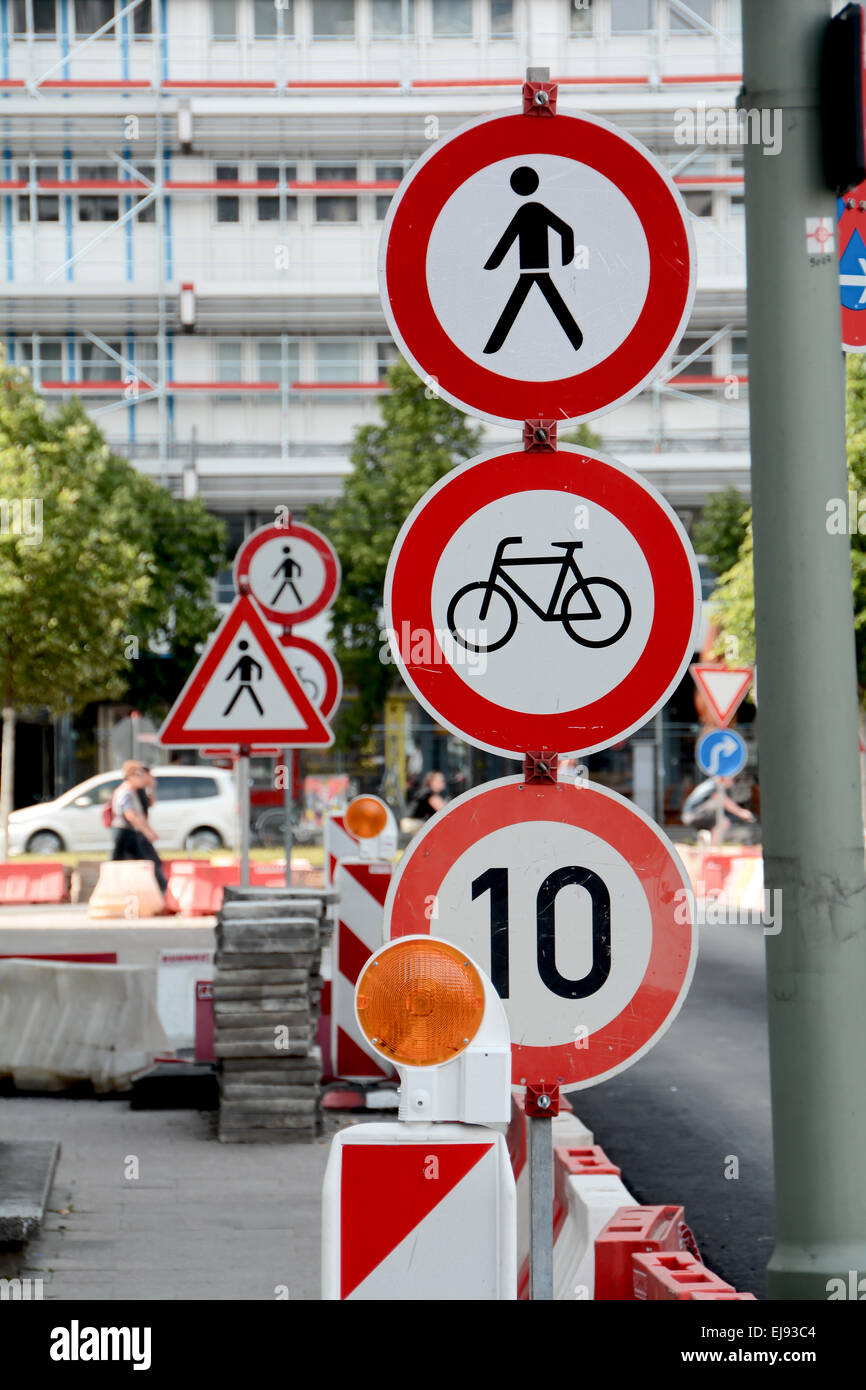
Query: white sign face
[[243, 689], [542, 601], [536, 268], [291, 571], [286, 575], [573, 902], [598, 294], [571, 586]]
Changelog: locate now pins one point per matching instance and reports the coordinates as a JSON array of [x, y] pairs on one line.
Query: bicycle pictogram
[[489, 606]]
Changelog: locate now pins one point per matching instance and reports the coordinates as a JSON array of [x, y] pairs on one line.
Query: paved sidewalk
[[201, 1220]]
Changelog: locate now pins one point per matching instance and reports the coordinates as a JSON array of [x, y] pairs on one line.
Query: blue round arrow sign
[[721, 753]]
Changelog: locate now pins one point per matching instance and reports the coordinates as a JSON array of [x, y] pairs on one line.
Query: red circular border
[[320, 543], [668, 293], [423, 868], [329, 666], [409, 595]]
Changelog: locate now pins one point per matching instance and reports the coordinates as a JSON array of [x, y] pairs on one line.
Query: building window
[[699, 204], [44, 18], [271, 358], [145, 358], [702, 365], [739, 354], [147, 214], [502, 19], [630, 16], [388, 18], [580, 17], [228, 206], [337, 361], [229, 358], [223, 22], [98, 207], [387, 354], [91, 15], [336, 208], [333, 19], [48, 364], [737, 204], [47, 204], [97, 364], [701, 10], [268, 204], [386, 173], [452, 19], [142, 20]]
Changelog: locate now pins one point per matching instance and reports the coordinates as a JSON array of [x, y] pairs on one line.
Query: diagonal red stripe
[[385, 1193], [352, 954], [376, 885], [352, 1060]]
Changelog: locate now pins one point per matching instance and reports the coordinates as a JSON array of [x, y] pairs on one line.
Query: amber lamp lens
[[366, 817], [420, 1002]]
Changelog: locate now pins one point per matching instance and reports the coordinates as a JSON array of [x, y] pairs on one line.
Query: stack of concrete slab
[[266, 993]]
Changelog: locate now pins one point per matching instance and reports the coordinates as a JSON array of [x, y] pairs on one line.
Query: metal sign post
[[288, 803], [540, 1109], [244, 803]]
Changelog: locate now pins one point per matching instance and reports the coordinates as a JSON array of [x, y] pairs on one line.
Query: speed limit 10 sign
[[577, 906]]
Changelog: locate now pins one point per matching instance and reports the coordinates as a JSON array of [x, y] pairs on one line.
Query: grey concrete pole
[[810, 795]]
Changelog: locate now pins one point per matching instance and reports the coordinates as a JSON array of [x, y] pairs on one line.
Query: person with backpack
[[133, 836]]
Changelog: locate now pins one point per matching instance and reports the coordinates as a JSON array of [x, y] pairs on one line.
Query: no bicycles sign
[[545, 604]]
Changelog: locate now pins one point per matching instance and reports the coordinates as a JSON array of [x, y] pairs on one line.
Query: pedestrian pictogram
[[720, 753], [529, 227], [574, 903], [291, 570], [553, 608], [723, 686], [243, 691], [246, 669], [534, 268]]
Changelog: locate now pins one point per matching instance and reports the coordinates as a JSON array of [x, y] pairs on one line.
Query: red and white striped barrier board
[[362, 885], [418, 1211], [339, 843]]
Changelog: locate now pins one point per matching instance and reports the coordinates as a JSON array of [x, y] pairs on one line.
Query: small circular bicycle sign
[[554, 613]]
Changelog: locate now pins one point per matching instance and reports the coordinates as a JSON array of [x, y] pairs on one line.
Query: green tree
[[419, 439], [733, 600], [92, 565], [722, 529]]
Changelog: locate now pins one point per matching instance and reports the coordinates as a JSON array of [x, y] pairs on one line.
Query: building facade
[[192, 194]]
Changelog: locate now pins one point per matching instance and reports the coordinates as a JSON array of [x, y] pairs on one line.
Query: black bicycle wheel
[[474, 623], [568, 619]]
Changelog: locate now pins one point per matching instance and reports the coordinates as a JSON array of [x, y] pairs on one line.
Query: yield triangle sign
[[243, 691], [723, 686]]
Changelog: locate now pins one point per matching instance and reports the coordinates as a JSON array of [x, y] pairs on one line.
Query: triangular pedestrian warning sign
[[723, 687], [243, 691]]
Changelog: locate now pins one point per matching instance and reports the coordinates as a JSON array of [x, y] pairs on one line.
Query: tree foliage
[[722, 529], [419, 439], [734, 597], [115, 566]]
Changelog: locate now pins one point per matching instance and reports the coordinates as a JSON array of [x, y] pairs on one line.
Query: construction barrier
[[33, 883], [62, 1023], [197, 887], [632, 1231], [674, 1276], [363, 886]]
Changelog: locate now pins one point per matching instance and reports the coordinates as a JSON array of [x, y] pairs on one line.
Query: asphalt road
[[702, 1095]]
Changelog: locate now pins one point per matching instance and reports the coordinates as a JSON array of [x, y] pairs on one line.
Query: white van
[[194, 808]]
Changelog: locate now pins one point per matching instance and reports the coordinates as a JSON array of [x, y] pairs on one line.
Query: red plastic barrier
[[721, 1297], [674, 1277], [634, 1230], [32, 883]]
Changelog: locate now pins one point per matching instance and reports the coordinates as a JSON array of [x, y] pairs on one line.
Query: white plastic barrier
[[585, 1202], [61, 1023]]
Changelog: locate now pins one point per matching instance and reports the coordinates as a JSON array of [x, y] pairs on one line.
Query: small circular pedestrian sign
[[546, 606], [535, 268], [575, 904], [291, 570]]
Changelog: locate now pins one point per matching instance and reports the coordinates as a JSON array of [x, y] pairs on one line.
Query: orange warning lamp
[[366, 817], [420, 1002]]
